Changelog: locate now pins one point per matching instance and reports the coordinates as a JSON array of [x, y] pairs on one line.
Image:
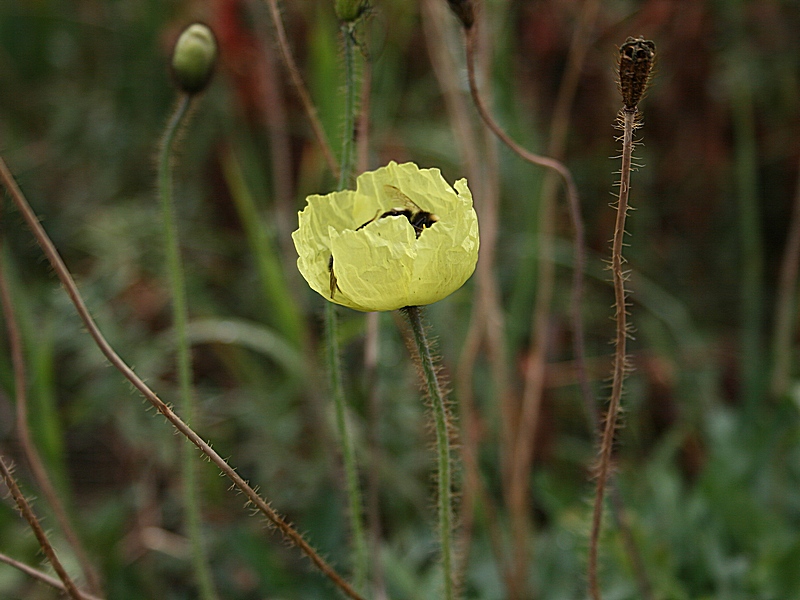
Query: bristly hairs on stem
[[40, 576], [71, 289], [443, 426], [35, 462], [193, 60], [27, 513], [349, 13], [636, 57]]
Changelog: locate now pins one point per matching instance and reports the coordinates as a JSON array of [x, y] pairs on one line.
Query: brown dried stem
[[636, 58], [527, 422], [71, 289], [300, 87], [43, 577], [27, 513], [619, 276], [26, 442]]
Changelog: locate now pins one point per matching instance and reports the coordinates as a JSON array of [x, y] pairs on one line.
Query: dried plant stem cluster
[[636, 58]]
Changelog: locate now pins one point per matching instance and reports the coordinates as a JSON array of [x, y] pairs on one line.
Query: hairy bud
[[349, 11], [194, 57]]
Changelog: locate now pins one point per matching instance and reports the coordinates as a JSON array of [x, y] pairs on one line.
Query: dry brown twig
[[636, 58], [35, 462], [44, 543]]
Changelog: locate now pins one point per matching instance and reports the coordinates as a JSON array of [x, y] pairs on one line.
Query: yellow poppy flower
[[404, 237]]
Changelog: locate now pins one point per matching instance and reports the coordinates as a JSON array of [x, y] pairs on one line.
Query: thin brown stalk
[[527, 420], [43, 577], [486, 324], [536, 159], [26, 442], [636, 58], [71, 289], [27, 513], [556, 147], [272, 106], [786, 304], [619, 276], [300, 87]]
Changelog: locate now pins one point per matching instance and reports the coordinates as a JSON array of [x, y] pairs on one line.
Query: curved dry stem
[[536, 159], [27, 513], [71, 289], [785, 304], [26, 442], [534, 373], [300, 87], [619, 276], [43, 577]]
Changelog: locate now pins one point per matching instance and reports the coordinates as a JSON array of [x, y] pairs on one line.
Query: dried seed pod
[[636, 57]]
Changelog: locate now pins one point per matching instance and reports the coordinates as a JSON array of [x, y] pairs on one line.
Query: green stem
[[350, 105], [442, 426], [180, 317], [354, 499]]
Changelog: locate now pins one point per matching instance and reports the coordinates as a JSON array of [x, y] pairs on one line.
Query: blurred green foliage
[[709, 464]]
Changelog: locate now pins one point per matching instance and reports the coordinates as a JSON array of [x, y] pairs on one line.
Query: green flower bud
[[193, 58], [350, 10], [405, 237]]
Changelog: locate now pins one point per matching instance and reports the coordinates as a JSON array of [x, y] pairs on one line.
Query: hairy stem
[[43, 577], [442, 426], [64, 276], [354, 498], [620, 357], [28, 514], [35, 461], [180, 317], [350, 105]]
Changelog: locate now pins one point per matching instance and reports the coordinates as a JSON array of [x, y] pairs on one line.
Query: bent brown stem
[[35, 462], [534, 374], [28, 514], [300, 87], [43, 577], [116, 361]]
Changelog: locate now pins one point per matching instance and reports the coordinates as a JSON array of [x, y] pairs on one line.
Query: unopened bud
[[194, 57], [464, 10], [348, 11]]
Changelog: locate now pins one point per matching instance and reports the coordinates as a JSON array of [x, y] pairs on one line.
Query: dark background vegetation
[[709, 462]]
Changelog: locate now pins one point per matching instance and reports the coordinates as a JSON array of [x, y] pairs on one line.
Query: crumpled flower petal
[[381, 262]]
